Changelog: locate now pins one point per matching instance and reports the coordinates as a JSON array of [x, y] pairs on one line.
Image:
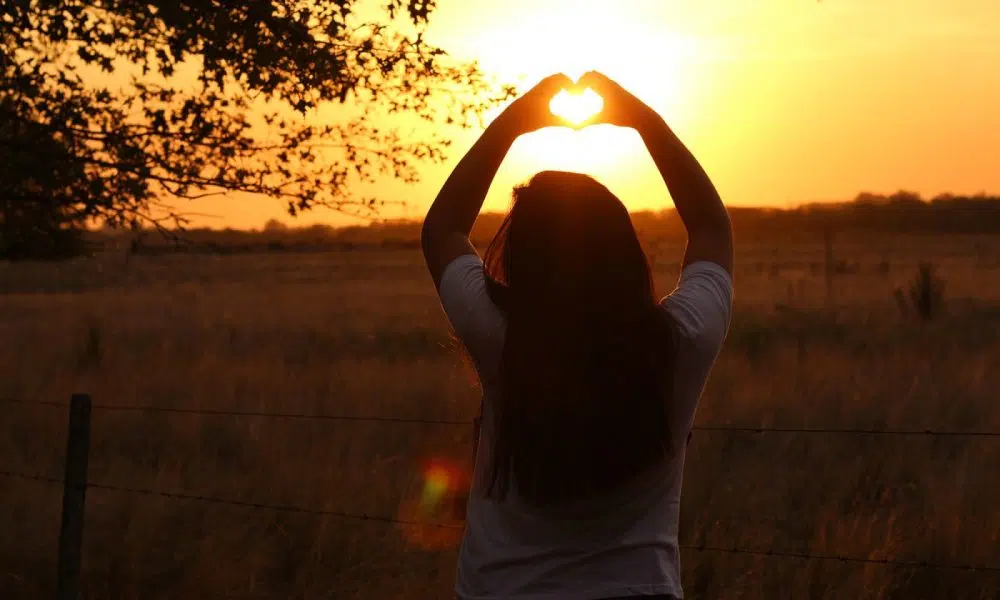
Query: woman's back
[[616, 543]]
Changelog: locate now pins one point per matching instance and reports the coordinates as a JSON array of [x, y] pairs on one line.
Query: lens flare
[[576, 107], [437, 482], [437, 498]]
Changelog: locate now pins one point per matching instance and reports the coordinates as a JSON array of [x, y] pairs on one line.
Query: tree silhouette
[[39, 217], [145, 104]]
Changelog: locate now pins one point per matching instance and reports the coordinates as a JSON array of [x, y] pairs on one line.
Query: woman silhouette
[[589, 383]]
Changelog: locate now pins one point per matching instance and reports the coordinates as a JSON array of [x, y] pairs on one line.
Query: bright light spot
[[576, 107], [437, 481], [437, 498], [576, 36], [670, 67]]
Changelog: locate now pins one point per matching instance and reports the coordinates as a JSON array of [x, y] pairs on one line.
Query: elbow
[[432, 234], [426, 234], [429, 231], [717, 227]]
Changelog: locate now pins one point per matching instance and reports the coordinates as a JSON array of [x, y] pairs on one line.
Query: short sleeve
[[701, 307], [477, 321]]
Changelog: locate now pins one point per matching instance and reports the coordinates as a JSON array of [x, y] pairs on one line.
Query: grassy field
[[361, 333]]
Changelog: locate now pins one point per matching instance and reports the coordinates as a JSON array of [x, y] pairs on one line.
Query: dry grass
[[361, 333]]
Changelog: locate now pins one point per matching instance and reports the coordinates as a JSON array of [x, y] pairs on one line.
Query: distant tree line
[[869, 214], [901, 213]]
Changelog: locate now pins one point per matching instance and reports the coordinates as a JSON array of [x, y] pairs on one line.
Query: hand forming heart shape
[[558, 101]]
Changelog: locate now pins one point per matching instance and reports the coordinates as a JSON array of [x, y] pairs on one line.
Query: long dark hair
[[587, 357]]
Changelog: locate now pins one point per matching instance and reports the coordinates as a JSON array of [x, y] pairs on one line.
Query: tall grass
[[361, 333]]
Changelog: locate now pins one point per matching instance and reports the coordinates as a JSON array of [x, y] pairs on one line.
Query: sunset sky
[[784, 101]]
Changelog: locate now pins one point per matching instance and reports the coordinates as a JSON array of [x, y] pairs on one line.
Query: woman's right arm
[[449, 221], [699, 206], [710, 234]]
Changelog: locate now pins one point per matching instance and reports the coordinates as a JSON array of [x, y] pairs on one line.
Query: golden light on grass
[[577, 107], [227, 337]]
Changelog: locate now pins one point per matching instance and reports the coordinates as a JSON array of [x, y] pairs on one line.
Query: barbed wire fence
[[75, 482], [423, 421]]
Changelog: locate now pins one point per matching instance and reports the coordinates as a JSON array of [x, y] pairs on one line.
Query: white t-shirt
[[622, 544]]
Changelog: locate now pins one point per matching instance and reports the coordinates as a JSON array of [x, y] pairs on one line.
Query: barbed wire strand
[[246, 413], [266, 506], [846, 431], [414, 420], [393, 521], [30, 477], [281, 415], [835, 557], [228, 502], [35, 402]]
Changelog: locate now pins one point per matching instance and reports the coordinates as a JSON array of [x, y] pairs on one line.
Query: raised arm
[[710, 235], [699, 206], [445, 233]]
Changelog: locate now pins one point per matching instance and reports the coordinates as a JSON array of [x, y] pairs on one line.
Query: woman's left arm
[[446, 229]]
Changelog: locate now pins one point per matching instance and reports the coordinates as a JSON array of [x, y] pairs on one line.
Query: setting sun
[[653, 62], [577, 107]]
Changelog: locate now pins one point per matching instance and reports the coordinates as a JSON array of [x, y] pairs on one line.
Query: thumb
[[601, 117], [553, 84], [594, 80], [608, 88]]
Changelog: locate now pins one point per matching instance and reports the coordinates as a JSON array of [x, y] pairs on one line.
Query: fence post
[[74, 499]]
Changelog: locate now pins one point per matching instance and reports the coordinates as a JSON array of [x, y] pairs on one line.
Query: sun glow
[[573, 38], [577, 107]]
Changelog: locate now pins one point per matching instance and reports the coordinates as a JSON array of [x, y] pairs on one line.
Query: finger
[[591, 79], [597, 81], [553, 84], [601, 118], [557, 121], [554, 120]]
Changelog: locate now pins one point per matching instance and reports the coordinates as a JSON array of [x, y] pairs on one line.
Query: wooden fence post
[[74, 499]]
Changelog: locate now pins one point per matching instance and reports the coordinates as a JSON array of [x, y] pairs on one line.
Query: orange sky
[[784, 101]]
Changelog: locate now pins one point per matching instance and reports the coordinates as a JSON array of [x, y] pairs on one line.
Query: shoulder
[[461, 272], [475, 318], [701, 304]]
